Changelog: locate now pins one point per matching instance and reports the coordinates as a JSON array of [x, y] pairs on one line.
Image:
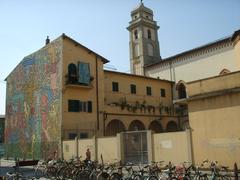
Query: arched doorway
[[171, 126], [136, 125], [114, 126], [156, 127]]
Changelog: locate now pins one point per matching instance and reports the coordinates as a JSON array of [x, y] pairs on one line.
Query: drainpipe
[[172, 92], [104, 119], [170, 69], [190, 142], [97, 94]]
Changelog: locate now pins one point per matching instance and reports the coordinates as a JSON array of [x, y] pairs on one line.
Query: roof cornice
[[188, 52], [139, 76]]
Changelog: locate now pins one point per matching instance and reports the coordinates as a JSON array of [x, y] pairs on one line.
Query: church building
[[201, 62]]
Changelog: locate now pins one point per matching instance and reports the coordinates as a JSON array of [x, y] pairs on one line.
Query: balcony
[[72, 82]]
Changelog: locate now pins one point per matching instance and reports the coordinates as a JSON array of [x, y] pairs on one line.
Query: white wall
[[199, 65]]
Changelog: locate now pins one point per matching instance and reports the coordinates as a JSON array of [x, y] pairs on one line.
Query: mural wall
[[33, 114]]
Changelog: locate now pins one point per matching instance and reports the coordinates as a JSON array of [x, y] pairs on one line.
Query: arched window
[[136, 34], [136, 125], [149, 34], [182, 91], [156, 127], [150, 49], [181, 88], [172, 126], [115, 126], [72, 73]]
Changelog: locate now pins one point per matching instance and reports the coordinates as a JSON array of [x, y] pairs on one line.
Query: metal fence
[[135, 147]]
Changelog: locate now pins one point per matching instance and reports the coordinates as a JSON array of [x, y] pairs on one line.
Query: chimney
[[47, 40]]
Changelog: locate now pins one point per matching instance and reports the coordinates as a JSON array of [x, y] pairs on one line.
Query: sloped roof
[[219, 41], [139, 76], [63, 36], [91, 51]]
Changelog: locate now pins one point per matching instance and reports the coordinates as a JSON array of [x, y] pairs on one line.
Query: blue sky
[[101, 26]]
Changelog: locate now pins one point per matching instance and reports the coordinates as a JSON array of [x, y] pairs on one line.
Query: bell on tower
[[144, 45]]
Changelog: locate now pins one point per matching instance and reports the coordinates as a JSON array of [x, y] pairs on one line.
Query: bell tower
[[144, 45]]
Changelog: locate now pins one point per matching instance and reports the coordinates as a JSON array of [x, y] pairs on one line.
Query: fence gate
[[135, 147]]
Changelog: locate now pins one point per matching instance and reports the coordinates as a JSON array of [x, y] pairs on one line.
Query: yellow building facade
[[117, 101], [139, 103], [66, 93], [214, 111]]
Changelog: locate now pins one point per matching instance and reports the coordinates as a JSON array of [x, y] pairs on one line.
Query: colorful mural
[[33, 122]]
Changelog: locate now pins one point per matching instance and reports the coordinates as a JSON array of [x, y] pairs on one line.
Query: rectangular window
[[149, 90], [133, 88], [72, 135], [84, 107], [115, 86], [73, 106], [89, 106], [83, 135], [79, 106], [163, 93]]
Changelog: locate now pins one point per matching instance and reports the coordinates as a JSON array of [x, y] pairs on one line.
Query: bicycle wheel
[[13, 175], [115, 176], [60, 173], [226, 178], [137, 177], [51, 172], [38, 173], [173, 178], [67, 173], [152, 177], [202, 177], [76, 174], [93, 175], [187, 177], [163, 176], [83, 175], [103, 176]]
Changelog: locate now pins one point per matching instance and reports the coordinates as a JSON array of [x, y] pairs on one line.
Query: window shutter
[[84, 73]]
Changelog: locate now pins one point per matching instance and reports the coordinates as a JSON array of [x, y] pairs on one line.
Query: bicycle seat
[[225, 167], [146, 166], [128, 168], [106, 168]]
